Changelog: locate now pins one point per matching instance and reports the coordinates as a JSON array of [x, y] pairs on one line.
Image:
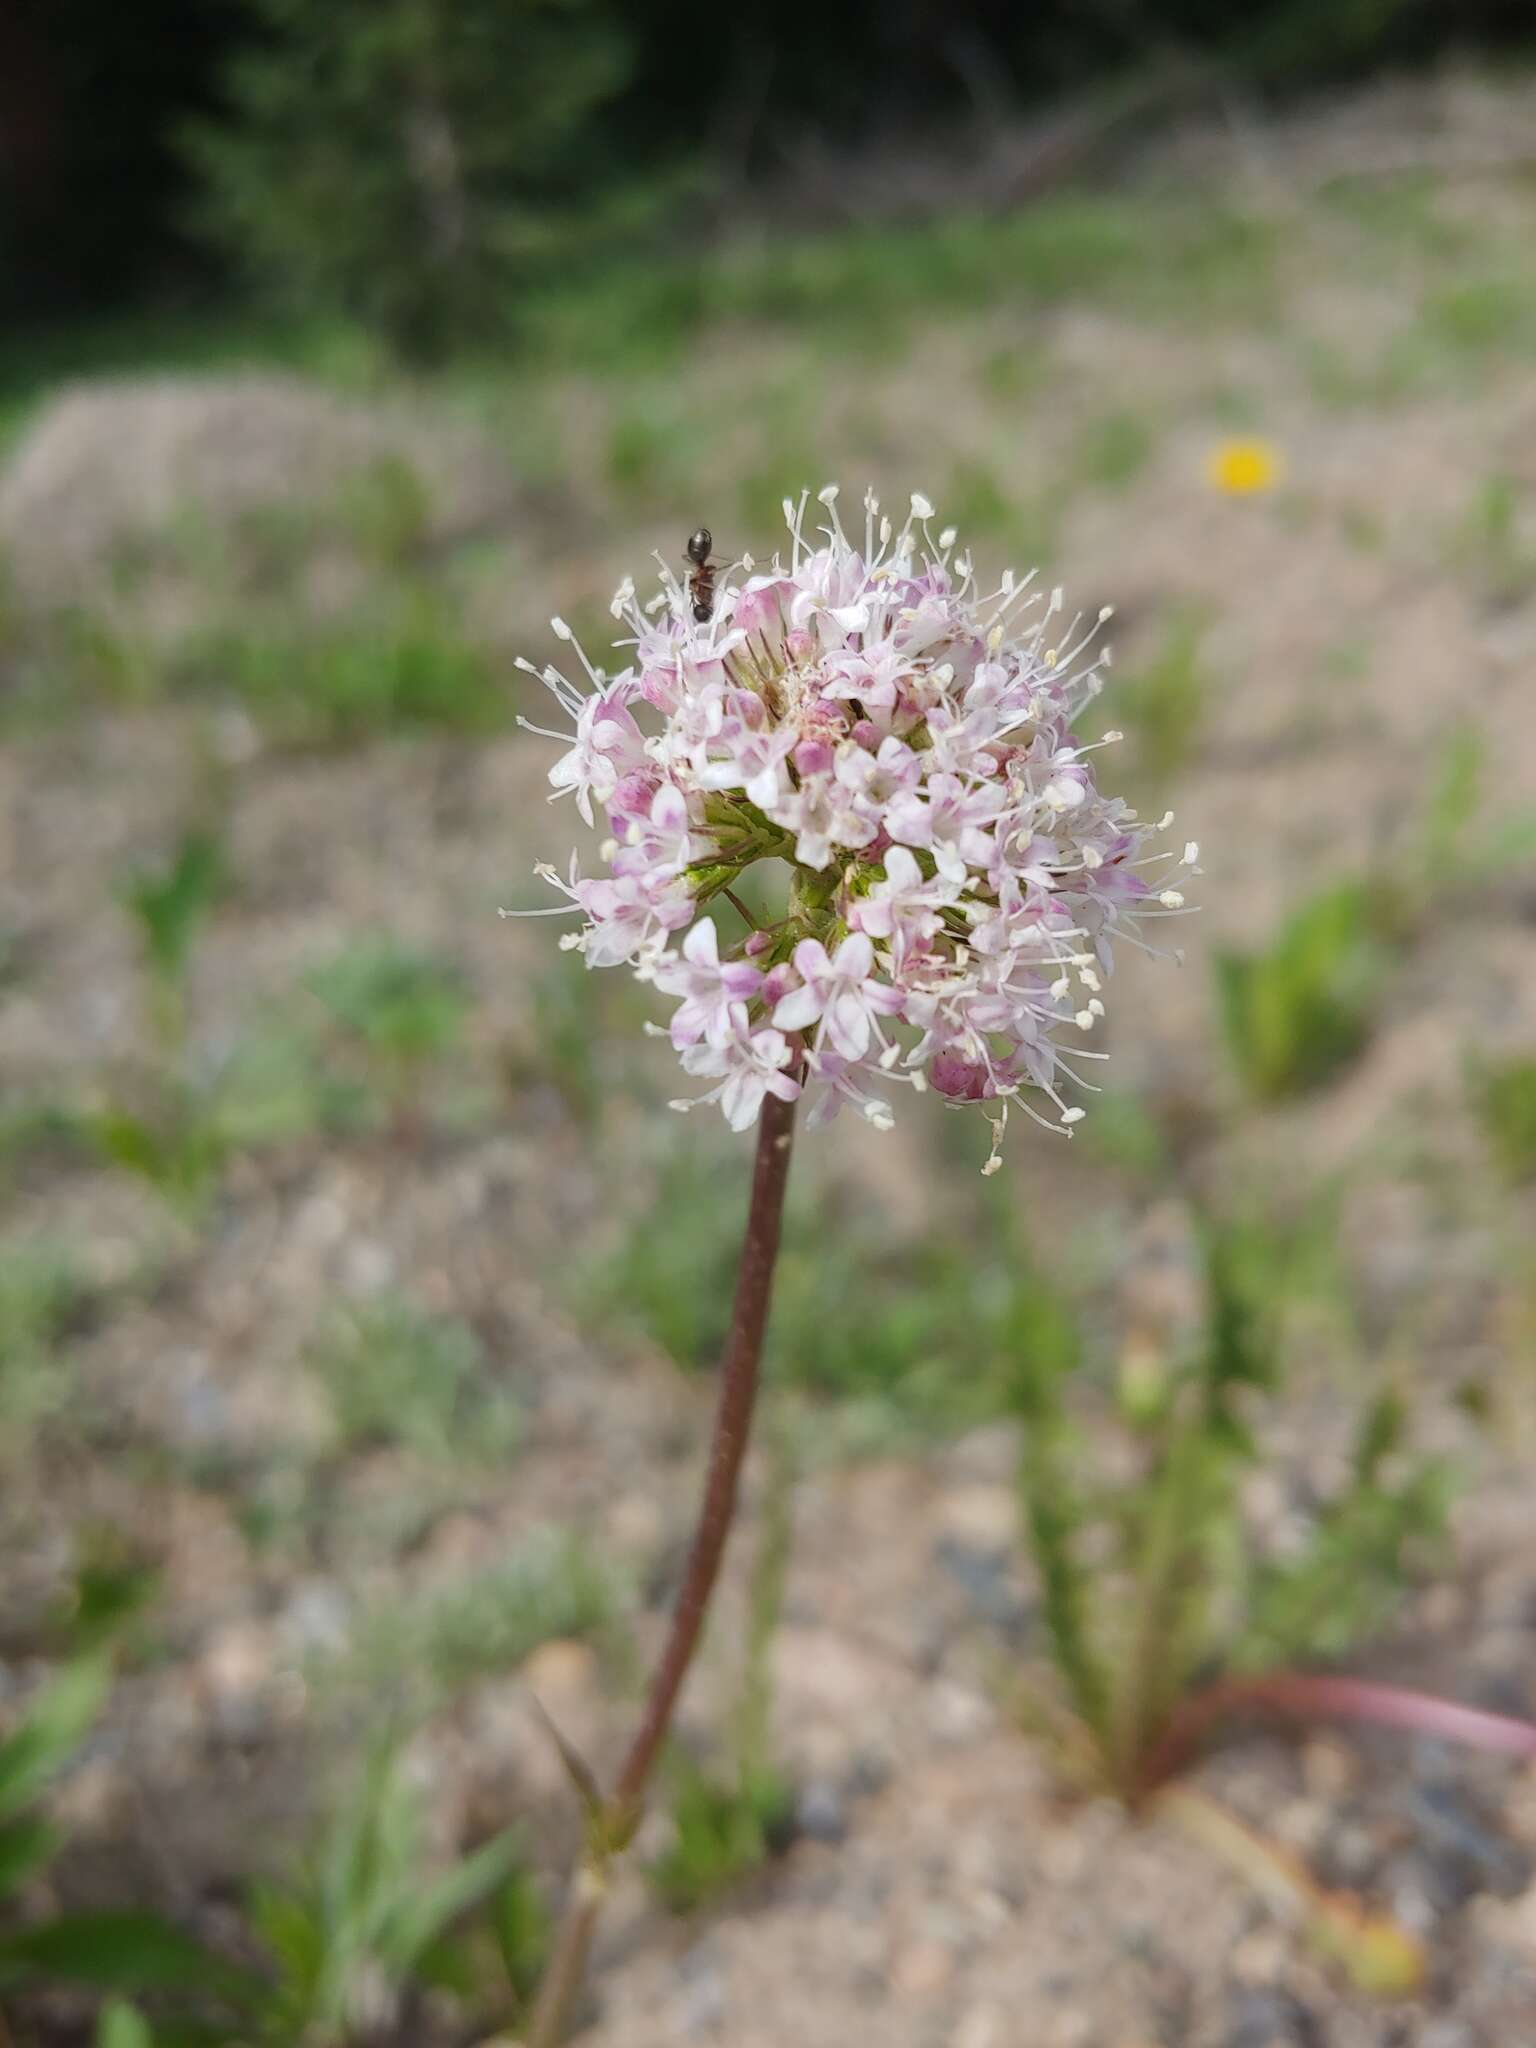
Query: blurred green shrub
[[1113, 450], [723, 1828], [900, 1335], [581, 1033], [396, 1375], [45, 1740], [127, 1951], [160, 1123], [1154, 1582], [402, 162], [365, 1930], [1297, 1011], [351, 1944], [1301, 1009], [276, 1088], [1163, 706], [1491, 545], [41, 1296], [401, 1009], [166, 1134], [403, 664], [1504, 1097], [421, 1650], [170, 904], [1478, 316], [387, 510], [34, 1129]]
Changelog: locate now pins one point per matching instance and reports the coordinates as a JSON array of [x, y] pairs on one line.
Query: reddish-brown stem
[[728, 1444], [733, 1424], [1315, 1696]]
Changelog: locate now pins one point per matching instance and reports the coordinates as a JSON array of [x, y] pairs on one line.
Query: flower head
[[902, 740]]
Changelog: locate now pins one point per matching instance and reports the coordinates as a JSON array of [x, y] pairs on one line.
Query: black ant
[[701, 577]]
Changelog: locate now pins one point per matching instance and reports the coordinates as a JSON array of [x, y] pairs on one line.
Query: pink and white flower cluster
[[901, 743]]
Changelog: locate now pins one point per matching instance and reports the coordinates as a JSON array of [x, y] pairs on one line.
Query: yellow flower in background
[[1242, 469]]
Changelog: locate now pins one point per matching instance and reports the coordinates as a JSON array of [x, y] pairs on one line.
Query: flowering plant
[[903, 742]]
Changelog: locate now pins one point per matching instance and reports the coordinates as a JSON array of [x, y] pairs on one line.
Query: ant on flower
[[701, 577]]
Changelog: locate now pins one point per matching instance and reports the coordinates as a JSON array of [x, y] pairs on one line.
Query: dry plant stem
[[1301, 1695], [728, 1444], [1379, 1955]]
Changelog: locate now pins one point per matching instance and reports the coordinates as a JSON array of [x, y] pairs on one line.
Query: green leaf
[[120, 2026], [171, 903], [55, 1725], [521, 1924], [1454, 803], [25, 1845], [129, 1141], [1055, 1516], [401, 1003], [122, 1951], [723, 1829], [110, 1591], [1297, 1012], [424, 1919], [284, 1924], [1381, 1432]]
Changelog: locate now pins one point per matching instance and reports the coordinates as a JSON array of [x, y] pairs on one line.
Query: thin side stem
[[1321, 1696], [728, 1445], [740, 909], [1381, 1956]]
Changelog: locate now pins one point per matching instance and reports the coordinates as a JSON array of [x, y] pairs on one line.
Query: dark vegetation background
[[99, 194]]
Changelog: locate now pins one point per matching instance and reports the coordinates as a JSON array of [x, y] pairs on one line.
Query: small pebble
[[1271, 2019], [821, 1813]]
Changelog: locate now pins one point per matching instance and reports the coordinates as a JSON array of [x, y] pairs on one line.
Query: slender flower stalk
[[613, 1826], [1327, 1696]]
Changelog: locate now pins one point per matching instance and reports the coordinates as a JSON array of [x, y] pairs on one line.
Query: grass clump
[[170, 906], [580, 1033], [401, 666], [859, 286], [429, 1648], [1295, 1013], [1299, 1011], [386, 511], [1178, 1587], [1504, 1099], [116, 1952], [900, 1336], [1490, 543], [399, 1011], [1482, 316], [365, 1933], [1163, 706], [42, 1298], [396, 1375], [1114, 450]]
